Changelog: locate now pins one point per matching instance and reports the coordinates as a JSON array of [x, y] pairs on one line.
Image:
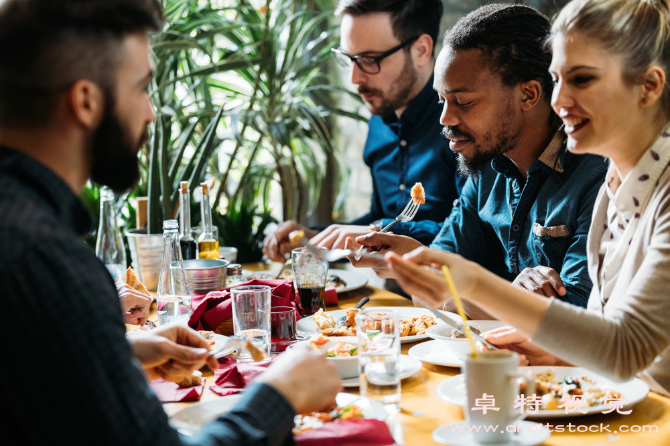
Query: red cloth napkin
[[331, 296], [232, 378], [348, 433], [169, 392], [210, 309]]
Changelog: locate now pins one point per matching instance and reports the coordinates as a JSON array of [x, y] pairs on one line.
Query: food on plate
[[342, 350], [408, 327], [416, 326], [315, 420], [323, 320], [458, 335], [418, 194], [340, 331], [552, 390], [139, 330], [191, 381], [134, 282], [319, 339], [207, 335]]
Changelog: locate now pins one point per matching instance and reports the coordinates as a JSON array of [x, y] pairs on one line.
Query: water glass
[[310, 274], [251, 318], [379, 356], [283, 327]]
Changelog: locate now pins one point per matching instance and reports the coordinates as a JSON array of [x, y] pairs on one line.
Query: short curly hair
[[47, 45], [512, 37]]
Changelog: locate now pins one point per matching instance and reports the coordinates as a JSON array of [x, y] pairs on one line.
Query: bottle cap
[[184, 187], [205, 188], [170, 224], [234, 269]]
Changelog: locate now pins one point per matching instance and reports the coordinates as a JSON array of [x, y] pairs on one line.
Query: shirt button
[[403, 143], [515, 228], [402, 187]]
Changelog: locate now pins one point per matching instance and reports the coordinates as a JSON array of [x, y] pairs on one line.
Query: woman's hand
[[509, 338], [134, 304], [172, 352], [428, 286]]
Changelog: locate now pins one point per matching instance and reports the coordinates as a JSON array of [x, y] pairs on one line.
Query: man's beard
[[500, 142], [114, 154], [398, 97]]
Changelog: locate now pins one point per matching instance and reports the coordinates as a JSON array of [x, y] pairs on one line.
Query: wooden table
[[422, 410]]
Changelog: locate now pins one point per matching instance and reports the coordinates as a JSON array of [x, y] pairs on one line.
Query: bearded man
[[388, 47], [525, 210]]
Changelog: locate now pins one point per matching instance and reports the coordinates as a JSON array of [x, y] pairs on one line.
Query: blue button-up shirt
[[407, 151], [506, 225]]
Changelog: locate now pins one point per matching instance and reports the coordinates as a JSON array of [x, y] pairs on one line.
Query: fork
[[406, 215]]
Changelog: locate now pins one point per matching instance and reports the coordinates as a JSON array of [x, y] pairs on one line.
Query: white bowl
[[347, 367], [460, 346], [228, 253]]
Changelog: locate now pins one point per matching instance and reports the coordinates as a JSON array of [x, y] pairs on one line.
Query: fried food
[[315, 420], [295, 236], [351, 317], [205, 334], [134, 282], [323, 320], [418, 194], [191, 381], [255, 352], [416, 326], [335, 332]]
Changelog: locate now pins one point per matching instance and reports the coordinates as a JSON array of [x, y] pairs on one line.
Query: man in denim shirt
[[525, 210], [388, 46]]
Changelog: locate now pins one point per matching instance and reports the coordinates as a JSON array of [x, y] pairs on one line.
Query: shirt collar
[[416, 106], [552, 157], [67, 207], [630, 196]]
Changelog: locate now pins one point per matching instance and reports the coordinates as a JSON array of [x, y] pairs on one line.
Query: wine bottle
[[186, 241], [174, 292], [109, 247]]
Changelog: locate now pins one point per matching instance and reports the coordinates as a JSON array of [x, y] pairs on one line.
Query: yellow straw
[[459, 307]]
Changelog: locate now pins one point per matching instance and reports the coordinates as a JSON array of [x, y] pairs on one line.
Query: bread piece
[[351, 317], [134, 282], [428, 320], [405, 329], [323, 320]]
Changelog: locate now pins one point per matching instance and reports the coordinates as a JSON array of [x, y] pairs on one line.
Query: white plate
[[452, 390], [457, 434], [435, 352], [353, 279], [193, 417], [408, 367], [308, 325], [219, 346]]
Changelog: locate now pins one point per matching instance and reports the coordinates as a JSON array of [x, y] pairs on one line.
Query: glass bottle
[[109, 247], [234, 274], [186, 242], [174, 293], [208, 246]]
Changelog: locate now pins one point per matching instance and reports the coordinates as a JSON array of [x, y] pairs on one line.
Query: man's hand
[[277, 244], [172, 352], [134, 304], [541, 280], [304, 378], [508, 338], [334, 236], [381, 243]]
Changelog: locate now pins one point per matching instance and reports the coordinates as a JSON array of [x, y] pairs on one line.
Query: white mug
[[492, 385]]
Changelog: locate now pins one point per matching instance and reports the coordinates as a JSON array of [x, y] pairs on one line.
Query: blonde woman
[[610, 59]]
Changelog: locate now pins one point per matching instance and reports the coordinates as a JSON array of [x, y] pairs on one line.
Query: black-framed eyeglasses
[[368, 64]]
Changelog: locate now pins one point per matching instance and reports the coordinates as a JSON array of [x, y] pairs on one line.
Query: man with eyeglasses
[[388, 46]]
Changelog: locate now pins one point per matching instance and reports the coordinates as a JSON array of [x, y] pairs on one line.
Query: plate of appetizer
[[554, 385], [340, 279], [413, 322], [348, 406]]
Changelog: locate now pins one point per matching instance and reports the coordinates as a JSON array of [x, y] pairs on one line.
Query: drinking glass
[[251, 318], [491, 387], [310, 274], [379, 356], [282, 327]]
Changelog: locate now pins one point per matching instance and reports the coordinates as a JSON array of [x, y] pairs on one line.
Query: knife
[[458, 327]]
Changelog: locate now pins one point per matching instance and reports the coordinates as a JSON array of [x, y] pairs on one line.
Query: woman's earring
[[644, 100]]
